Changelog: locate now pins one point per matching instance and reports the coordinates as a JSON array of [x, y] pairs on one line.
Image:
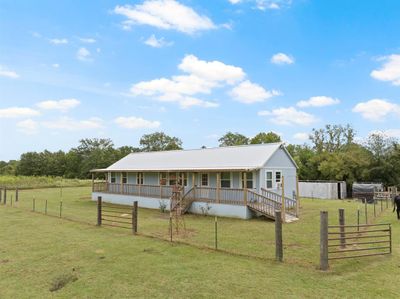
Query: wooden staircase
[[180, 204], [267, 203], [264, 204]]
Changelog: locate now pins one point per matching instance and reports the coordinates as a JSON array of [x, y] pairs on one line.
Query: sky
[[194, 69]]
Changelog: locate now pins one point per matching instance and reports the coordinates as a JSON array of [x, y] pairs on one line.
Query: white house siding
[[280, 161], [215, 209]]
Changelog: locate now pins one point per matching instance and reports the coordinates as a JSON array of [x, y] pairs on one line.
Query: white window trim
[[230, 179], [253, 179], [272, 179], [278, 185], [201, 180]]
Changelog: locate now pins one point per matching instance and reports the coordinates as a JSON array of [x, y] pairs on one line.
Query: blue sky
[[194, 69]]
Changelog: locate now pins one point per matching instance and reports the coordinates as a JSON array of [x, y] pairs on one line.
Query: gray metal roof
[[245, 157]]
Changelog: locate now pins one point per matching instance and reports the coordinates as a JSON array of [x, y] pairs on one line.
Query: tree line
[[332, 154]]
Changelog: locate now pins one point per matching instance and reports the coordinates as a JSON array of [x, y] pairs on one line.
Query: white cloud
[[265, 4], [83, 54], [55, 65], [165, 14], [62, 105], [15, 112], [27, 126], [202, 77], [58, 41], [289, 116], [136, 123], [301, 136], [211, 70], [70, 124], [248, 93], [87, 40], [282, 58], [391, 133], [318, 101], [4, 72], [155, 42], [390, 71], [377, 109]]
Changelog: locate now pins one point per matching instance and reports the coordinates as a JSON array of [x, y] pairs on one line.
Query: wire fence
[[254, 238]]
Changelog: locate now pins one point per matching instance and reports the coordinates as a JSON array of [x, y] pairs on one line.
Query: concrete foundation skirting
[[212, 209]]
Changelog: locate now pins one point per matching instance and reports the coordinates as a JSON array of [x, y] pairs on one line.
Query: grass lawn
[[107, 262], [23, 182]]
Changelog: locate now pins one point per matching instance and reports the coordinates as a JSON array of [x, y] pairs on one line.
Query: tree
[[231, 139], [332, 138], [262, 138], [159, 141]]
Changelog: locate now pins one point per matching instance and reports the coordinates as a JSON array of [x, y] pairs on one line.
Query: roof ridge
[[209, 148]]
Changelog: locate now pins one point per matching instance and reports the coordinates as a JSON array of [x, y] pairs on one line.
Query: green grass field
[[109, 262], [23, 182]]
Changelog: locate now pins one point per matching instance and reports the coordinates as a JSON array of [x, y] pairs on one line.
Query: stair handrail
[[290, 204], [270, 206], [182, 199]]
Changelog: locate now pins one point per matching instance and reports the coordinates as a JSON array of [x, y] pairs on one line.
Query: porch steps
[[288, 217]]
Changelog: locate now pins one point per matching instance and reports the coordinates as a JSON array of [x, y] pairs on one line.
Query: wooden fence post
[[134, 217], [374, 207], [33, 204], [99, 211], [381, 205], [283, 201], [61, 204], [16, 194], [324, 241], [170, 226], [342, 233], [45, 208], [1, 194], [216, 232], [5, 195], [366, 210], [358, 219], [278, 237]]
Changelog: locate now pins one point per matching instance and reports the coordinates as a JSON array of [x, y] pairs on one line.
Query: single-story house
[[235, 181]]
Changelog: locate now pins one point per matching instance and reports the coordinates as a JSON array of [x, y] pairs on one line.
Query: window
[[124, 178], [268, 179], [278, 176], [182, 179], [163, 178], [249, 178], [139, 178], [172, 179], [204, 179], [225, 179], [112, 177]]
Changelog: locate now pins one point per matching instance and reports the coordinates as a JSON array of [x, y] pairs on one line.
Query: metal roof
[[245, 157]]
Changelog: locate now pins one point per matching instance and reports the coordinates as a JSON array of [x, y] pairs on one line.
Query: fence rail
[[352, 241], [109, 214]]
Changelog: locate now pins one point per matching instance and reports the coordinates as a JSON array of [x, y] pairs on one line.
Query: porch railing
[[233, 196], [290, 204], [157, 191]]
